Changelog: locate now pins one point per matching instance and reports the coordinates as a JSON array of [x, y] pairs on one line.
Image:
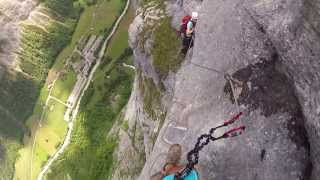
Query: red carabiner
[[236, 117], [234, 132]]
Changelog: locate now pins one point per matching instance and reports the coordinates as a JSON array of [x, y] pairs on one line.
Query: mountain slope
[[32, 35]]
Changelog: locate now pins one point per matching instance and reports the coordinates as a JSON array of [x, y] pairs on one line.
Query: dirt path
[[59, 101], [76, 110]]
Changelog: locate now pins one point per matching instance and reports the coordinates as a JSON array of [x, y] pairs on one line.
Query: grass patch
[[120, 39], [9, 149], [125, 126], [22, 166], [54, 119], [49, 135], [64, 85], [111, 9], [166, 42], [165, 51]]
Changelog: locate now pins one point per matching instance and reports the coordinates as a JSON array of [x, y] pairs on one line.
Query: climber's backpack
[[184, 24]]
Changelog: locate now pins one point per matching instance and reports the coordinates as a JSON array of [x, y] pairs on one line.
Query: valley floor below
[[108, 94]]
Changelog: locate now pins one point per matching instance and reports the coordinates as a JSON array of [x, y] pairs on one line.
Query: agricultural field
[[64, 84], [46, 125], [89, 156]]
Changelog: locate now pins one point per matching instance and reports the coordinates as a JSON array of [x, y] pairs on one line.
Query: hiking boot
[[174, 154], [172, 163]]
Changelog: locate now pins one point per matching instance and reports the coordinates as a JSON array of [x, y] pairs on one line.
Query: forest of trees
[[41, 47], [88, 155]]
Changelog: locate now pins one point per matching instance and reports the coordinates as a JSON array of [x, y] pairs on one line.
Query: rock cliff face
[[15, 89], [272, 48], [11, 14]]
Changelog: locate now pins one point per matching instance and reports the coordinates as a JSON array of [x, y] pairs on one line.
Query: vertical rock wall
[[294, 29], [272, 48]]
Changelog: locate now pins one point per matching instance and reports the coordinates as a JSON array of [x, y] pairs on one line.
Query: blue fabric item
[[192, 176], [190, 25]]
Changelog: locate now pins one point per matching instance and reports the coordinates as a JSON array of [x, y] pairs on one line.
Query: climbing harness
[[203, 140]]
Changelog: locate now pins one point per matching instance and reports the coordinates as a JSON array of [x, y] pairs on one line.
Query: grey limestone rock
[[273, 48], [12, 12]]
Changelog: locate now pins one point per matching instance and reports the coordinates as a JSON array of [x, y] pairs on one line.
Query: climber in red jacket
[[187, 31]]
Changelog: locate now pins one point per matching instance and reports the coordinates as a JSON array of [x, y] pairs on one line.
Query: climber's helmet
[[194, 16]]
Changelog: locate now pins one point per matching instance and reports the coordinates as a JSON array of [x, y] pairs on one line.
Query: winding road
[[76, 110]]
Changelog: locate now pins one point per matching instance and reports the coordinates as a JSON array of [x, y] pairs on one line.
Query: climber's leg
[[186, 44], [191, 42]]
